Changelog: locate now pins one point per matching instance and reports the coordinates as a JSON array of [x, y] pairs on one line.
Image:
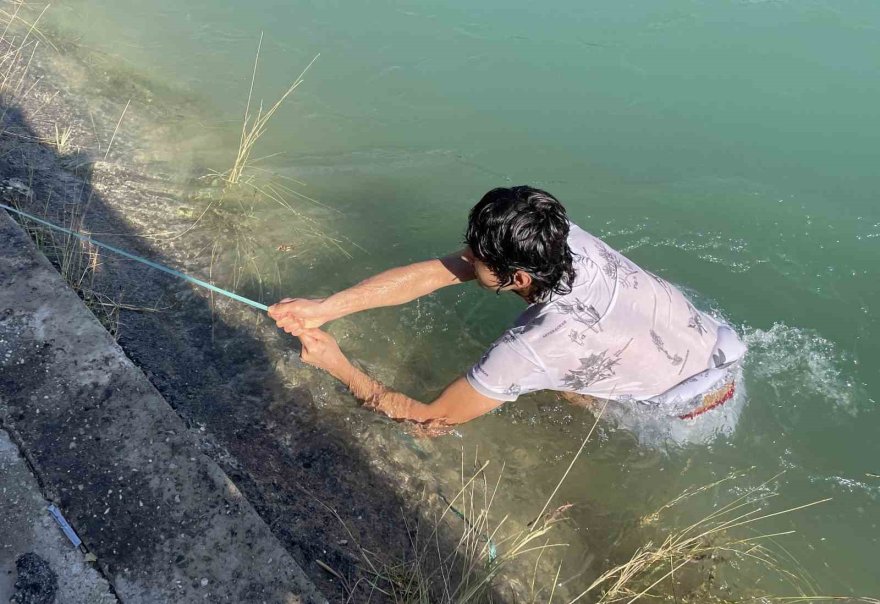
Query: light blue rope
[[149, 263]]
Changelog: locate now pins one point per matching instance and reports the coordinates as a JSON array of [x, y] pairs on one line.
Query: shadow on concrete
[[293, 463]]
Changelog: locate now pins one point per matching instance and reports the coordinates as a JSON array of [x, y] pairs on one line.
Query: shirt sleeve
[[509, 368]]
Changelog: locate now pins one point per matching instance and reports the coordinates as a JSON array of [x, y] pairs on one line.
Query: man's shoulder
[[584, 245], [542, 326], [577, 235]]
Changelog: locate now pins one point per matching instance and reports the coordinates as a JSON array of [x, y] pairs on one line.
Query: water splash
[[798, 361]]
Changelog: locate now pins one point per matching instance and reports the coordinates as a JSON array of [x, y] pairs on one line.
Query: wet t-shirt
[[622, 333]]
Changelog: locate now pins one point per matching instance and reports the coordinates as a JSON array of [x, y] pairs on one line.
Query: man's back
[[622, 332]]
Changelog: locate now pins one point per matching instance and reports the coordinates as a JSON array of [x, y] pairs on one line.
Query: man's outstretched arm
[[390, 288], [459, 402]]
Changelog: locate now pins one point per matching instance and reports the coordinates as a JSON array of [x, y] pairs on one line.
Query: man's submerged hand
[[295, 315], [320, 349]]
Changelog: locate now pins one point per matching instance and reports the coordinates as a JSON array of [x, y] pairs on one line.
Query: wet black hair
[[523, 228]]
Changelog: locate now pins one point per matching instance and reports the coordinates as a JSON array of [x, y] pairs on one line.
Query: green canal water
[[729, 146]]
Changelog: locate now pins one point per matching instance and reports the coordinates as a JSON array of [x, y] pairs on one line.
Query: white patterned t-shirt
[[622, 333]]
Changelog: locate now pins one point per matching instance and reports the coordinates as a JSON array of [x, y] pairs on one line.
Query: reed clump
[[245, 171], [255, 126], [235, 203], [432, 573], [714, 560], [698, 564]]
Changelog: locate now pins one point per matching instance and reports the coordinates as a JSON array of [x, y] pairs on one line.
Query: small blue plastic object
[[65, 526]]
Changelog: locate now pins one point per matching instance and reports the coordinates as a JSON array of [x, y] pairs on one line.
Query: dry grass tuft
[[61, 140], [469, 573], [724, 542], [650, 574], [233, 210], [17, 50], [427, 574], [254, 127], [79, 263]]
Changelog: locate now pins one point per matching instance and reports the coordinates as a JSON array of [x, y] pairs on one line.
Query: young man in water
[[597, 326]]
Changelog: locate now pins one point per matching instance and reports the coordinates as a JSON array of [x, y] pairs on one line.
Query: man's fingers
[[312, 340], [307, 343], [318, 334], [291, 325], [277, 312], [315, 334], [274, 311], [287, 322]]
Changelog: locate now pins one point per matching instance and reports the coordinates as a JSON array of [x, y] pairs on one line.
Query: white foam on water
[[714, 247], [792, 361], [850, 485], [799, 362]]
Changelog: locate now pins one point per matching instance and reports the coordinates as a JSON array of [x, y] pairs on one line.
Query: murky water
[[728, 146]]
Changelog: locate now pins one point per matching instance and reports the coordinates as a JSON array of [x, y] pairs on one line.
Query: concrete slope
[[166, 524]]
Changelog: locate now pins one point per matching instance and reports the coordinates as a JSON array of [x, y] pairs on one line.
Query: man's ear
[[522, 280]]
